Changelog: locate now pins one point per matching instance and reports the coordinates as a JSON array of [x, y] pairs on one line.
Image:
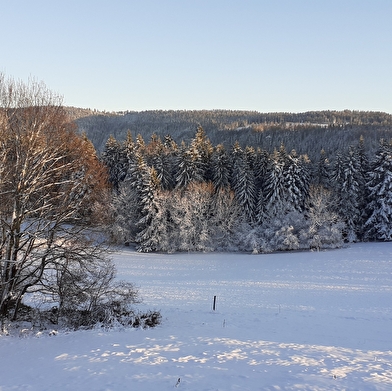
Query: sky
[[263, 55]]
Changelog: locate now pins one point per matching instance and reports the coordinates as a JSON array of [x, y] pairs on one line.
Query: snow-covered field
[[299, 321]]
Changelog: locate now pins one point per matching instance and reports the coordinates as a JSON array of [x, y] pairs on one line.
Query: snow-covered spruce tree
[[130, 154], [163, 162], [286, 186], [144, 184], [347, 181], [379, 224], [296, 179], [126, 207], [114, 158], [153, 226], [202, 149], [363, 189], [125, 213], [243, 182], [220, 168], [50, 180], [321, 171], [140, 145], [260, 168], [251, 157], [190, 167], [274, 192], [282, 203]]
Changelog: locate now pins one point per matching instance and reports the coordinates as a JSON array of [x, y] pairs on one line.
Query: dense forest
[[199, 196], [308, 133]]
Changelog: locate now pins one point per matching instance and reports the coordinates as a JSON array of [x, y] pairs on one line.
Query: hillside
[[307, 132]]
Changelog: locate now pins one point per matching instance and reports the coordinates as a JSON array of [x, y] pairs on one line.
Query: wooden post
[[214, 305]]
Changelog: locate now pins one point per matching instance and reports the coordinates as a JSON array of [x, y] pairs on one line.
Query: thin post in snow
[[214, 304]]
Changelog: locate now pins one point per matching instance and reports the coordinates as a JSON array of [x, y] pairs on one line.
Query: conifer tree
[[379, 224], [296, 180], [153, 222], [189, 167], [347, 181], [362, 182], [321, 173], [163, 163], [273, 195], [220, 168], [114, 159], [260, 167], [202, 149], [243, 182]]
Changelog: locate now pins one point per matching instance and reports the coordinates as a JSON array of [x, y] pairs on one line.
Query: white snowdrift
[[298, 321]]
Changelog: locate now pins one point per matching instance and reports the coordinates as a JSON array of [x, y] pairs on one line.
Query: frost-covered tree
[[325, 227], [286, 185], [114, 158], [363, 189], [347, 179], [243, 182], [125, 213], [190, 167], [163, 163], [129, 149], [321, 172], [225, 219], [190, 213], [202, 149], [220, 168], [296, 180], [153, 223], [379, 224], [260, 168], [274, 192]]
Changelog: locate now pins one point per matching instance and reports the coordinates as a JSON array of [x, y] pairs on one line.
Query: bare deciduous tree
[[50, 181]]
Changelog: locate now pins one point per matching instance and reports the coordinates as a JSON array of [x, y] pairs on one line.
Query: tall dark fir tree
[[379, 223]]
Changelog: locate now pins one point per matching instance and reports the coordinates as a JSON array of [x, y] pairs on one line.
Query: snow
[[287, 321]]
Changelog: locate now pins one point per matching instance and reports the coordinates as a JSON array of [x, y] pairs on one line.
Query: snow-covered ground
[[299, 321]]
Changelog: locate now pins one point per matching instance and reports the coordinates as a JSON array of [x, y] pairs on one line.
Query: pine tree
[[163, 163], [296, 179], [379, 224], [220, 168], [362, 182], [243, 182], [129, 152], [321, 173], [202, 149], [153, 222], [347, 190], [273, 201], [189, 167], [114, 159], [260, 168]]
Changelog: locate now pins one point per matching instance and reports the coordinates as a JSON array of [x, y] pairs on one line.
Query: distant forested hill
[[307, 132]]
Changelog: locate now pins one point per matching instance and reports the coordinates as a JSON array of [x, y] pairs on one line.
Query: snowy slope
[[298, 321]]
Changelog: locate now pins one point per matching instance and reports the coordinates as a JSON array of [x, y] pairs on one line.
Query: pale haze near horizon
[[268, 56]]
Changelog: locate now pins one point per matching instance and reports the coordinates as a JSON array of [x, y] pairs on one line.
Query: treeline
[[307, 133], [198, 196]]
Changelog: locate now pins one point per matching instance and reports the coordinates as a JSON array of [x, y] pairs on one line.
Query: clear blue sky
[[264, 55]]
